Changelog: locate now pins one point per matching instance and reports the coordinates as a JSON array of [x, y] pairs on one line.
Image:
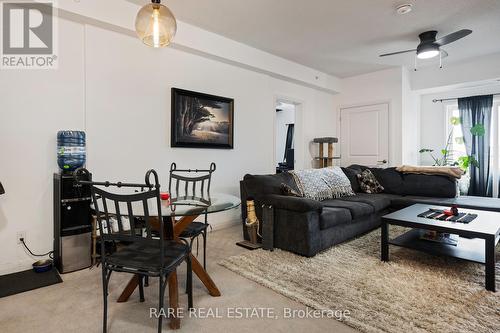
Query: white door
[[364, 135]]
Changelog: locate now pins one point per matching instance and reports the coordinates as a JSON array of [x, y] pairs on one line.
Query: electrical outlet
[[19, 235]]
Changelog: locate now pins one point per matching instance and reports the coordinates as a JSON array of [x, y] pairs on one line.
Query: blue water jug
[[71, 153]]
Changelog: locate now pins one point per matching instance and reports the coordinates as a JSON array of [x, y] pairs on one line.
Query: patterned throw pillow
[[289, 191], [321, 184], [368, 182]]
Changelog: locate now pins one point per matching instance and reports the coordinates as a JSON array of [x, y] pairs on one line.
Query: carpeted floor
[[76, 304], [414, 292]]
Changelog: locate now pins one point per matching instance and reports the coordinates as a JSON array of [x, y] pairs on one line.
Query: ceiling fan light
[[428, 54], [155, 25], [427, 51]]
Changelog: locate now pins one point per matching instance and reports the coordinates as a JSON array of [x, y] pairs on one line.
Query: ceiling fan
[[429, 47]]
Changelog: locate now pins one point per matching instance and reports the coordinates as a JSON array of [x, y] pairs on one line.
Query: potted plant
[[447, 155]]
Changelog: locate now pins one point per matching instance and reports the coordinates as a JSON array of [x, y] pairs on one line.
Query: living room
[[119, 99]]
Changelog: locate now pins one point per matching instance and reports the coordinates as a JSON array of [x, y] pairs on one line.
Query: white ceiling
[[345, 37]]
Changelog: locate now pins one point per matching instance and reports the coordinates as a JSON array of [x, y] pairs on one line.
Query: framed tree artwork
[[201, 120]]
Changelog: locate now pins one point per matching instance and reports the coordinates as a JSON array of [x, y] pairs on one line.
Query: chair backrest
[[190, 186], [117, 213]]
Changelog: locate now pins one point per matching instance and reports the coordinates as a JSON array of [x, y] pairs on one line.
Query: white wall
[[34, 105], [410, 122], [374, 88], [118, 90], [433, 116]]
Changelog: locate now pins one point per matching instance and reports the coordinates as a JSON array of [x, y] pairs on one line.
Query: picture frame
[[201, 120]]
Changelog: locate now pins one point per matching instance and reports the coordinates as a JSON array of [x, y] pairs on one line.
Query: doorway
[[285, 136], [365, 135]]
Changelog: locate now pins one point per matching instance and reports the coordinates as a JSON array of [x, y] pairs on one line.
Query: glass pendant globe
[[155, 25]]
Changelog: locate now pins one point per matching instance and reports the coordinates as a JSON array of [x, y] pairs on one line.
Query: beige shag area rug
[[414, 292]]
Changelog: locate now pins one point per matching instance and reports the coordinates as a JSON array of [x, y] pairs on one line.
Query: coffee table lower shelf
[[466, 248]]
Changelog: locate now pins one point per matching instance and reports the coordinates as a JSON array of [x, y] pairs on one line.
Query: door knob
[[382, 162]]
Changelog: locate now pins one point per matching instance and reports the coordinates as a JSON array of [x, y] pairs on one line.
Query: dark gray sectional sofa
[[306, 226]]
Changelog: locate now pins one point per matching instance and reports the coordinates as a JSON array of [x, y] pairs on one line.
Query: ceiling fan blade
[[393, 53], [453, 37]]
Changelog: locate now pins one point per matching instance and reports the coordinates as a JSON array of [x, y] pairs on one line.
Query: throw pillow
[[368, 182], [289, 191], [321, 184], [352, 175]]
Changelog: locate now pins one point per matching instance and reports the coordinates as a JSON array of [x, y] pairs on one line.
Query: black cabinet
[[72, 224]]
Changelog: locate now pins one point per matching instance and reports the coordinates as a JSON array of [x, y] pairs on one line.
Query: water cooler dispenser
[[72, 213]]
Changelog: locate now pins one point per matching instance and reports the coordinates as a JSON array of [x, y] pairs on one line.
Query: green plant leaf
[[474, 162], [455, 121], [459, 140], [478, 130], [444, 151], [463, 162]]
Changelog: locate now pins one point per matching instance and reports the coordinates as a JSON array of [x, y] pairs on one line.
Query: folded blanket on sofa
[[321, 184], [453, 172]]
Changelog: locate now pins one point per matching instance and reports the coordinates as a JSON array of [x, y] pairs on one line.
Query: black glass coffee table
[[476, 243]]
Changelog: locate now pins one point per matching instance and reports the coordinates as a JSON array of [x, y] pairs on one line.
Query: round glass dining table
[[217, 202], [187, 210]]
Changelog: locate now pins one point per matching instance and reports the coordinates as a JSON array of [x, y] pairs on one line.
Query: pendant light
[[155, 24]]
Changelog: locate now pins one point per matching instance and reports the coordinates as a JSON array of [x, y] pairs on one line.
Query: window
[[457, 146], [455, 137]]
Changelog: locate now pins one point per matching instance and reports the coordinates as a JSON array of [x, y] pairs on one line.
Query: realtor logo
[[28, 35]]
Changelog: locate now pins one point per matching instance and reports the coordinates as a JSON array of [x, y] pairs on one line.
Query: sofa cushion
[[267, 184], [331, 217], [467, 202], [357, 209], [359, 167], [390, 179], [429, 186], [378, 201], [294, 204], [405, 201], [352, 175]]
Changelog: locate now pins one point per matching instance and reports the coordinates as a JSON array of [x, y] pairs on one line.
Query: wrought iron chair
[[145, 256], [192, 187]]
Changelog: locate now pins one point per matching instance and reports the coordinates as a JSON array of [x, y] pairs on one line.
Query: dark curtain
[[289, 138], [473, 111], [289, 151]]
